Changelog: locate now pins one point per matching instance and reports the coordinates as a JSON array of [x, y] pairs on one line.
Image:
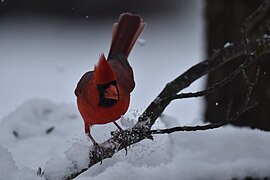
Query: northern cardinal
[[103, 95]]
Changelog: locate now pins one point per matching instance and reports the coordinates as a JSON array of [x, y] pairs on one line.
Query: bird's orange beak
[[111, 93]]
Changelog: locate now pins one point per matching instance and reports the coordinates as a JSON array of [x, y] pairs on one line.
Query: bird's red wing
[[86, 78]]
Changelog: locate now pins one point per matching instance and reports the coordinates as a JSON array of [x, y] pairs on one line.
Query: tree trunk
[[223, 20]]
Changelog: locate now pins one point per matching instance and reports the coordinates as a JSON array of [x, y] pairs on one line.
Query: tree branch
[[203, 127], [259, 46], [228, 120], [225, 81], [259, 15]]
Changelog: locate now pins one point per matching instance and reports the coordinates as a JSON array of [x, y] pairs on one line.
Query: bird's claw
[[123, 139], [96, 152]]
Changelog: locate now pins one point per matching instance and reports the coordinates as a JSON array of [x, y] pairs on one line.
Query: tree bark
[[223, 21]]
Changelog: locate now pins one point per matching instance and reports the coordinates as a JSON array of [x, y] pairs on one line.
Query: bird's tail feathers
[[125, 33]]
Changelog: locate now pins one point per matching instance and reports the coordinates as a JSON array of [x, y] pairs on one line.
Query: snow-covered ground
[[223, 153], [42, 59]]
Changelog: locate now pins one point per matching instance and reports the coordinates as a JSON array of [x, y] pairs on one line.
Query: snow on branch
[[252, 49]]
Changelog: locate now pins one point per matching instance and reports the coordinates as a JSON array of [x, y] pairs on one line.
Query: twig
[[210, 89], [228, 120], [229, 109], [203, 127], [252, 85], [256, 17]]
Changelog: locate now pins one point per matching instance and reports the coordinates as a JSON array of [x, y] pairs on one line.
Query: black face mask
[[104, 102]]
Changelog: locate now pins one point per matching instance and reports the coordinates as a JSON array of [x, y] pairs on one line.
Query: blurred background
[[223, 20], [95, 8], [47, 45]]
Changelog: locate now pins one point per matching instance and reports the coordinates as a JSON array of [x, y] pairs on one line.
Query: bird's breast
[[92, 113]]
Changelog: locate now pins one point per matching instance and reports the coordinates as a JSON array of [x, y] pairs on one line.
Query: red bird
[[103, 95]]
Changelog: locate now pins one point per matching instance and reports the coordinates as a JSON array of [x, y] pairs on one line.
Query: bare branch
[[228, 120], [261, 46], [225, 81], [256, 17], [252, 85], [203, 127], [229, 109]]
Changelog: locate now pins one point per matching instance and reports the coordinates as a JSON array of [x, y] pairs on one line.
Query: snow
[[7, 165], [141, 42], [223, 153], [227, 44], [58, 168], [9, 170], [40, 126], [78, 154]]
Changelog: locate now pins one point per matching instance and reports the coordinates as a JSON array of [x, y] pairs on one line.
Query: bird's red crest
[[103, 73]]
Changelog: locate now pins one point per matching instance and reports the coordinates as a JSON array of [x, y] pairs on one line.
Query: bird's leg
[[97, 148], [92, 139], [87, 129], [121, 130], [124, 137]]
